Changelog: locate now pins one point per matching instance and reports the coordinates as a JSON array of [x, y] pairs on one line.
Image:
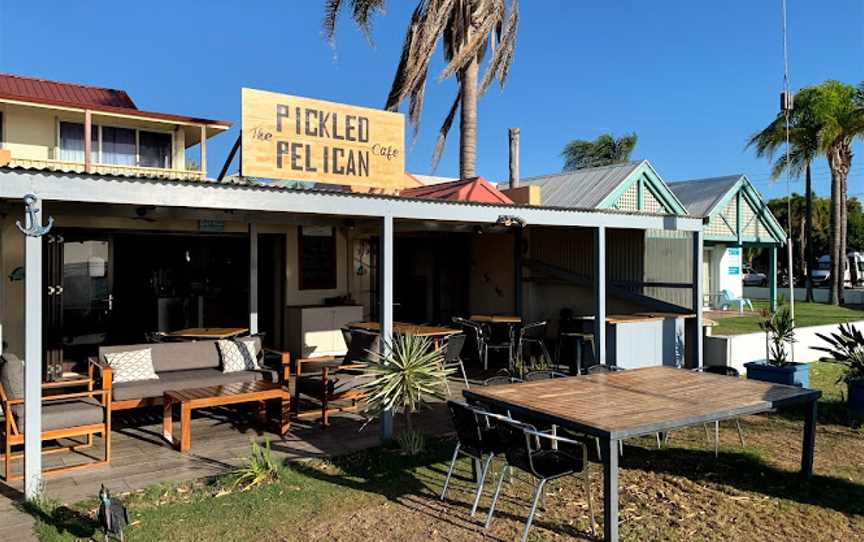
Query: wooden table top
[[208, 332], [496, 318], [403, 328], [644, 317], [639, 402], [228, 393]]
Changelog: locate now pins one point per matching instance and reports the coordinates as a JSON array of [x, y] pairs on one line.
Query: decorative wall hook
[[34, 224]]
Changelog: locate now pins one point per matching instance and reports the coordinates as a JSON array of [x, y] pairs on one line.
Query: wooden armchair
[[64, 416], [329, 379]]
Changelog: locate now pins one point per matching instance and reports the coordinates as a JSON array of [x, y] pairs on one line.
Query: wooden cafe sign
[[291, 138]]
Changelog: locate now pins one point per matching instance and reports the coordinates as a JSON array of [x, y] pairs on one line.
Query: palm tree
[[605, 150], [468, 29], [803, 141]]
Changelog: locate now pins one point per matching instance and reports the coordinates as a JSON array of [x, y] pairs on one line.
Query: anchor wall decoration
[[34, 226]]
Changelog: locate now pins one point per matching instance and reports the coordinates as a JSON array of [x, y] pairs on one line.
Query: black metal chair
[[544, 374], [602, 368], [477, 439], [532, 334], [452, 357], [487, 340], [545, 457]]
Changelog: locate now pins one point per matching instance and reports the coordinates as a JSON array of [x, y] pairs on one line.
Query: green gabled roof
[[710, 198], [603, 187]]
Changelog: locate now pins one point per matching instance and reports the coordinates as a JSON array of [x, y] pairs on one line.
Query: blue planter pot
[[794, 374], [856, 397]]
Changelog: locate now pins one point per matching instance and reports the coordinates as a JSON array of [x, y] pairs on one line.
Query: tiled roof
[[59, 93], [475, 189], [29, 88]]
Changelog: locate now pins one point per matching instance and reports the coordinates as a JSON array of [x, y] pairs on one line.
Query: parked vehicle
[[752, 277], [822, 273]]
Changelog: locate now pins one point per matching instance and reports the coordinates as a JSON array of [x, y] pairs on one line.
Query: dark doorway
[[431, 277], [271, 288]]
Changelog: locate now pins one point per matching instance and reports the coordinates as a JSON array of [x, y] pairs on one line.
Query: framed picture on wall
[[317, 257]]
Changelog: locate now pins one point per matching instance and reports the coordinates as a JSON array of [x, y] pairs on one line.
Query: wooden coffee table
[[230, 394]]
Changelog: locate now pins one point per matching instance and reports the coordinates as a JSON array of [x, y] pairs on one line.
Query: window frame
[[98, 151]]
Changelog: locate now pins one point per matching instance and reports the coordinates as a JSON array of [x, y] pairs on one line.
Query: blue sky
[[693, 79]]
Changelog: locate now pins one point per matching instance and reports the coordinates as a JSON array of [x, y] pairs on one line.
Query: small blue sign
[[734, 251], [734, 270]]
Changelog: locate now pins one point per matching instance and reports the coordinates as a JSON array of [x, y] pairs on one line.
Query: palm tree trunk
[[468, 122], [836, 278], [808, 232], [843, 228]]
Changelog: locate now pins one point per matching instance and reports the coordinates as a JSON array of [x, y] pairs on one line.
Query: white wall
[[820, 295], [736, 350], [729, 272]]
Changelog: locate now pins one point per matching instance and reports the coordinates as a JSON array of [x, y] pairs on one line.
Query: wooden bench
[[229, 394]]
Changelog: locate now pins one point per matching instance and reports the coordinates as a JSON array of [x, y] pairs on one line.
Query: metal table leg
[[610, 490], [809, 443]]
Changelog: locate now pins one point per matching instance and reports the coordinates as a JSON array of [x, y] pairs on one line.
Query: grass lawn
[[679, 493], [806, 314]]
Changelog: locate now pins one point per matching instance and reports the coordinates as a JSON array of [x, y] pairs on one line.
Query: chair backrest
[[533, 330], [727, 295], [467, 425], [12, 376], [724, 370], [453, 348], [544, 374], [501, 379], [602, 368], [346, 336], [361, 343]]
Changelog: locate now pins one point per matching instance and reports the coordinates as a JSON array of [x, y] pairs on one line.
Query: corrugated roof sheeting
[[700, 196], [584, 188], [16, 86]]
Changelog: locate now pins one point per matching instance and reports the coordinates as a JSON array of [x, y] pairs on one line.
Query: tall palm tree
[[468, 30], [605, 150], [804, 148]]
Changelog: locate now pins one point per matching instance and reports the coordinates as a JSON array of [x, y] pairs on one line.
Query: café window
[[317, 257], [72, 142], [117, 147], [154, 149]]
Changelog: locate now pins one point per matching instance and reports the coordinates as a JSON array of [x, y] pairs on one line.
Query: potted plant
[[403, 378], [779, 329], [847, 347]]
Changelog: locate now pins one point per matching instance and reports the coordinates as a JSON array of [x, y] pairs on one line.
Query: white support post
[[253, 279], [386, 270], [600, 294], [697, 332], [203, 151], [33, 355]]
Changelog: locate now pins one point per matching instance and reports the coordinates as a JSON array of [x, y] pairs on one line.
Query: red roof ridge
[[122, 93], [476, 189]]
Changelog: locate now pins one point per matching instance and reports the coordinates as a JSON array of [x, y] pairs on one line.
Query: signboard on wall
[[301, 139]]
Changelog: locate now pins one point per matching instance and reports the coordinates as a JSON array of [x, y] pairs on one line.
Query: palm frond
[[445, 129]]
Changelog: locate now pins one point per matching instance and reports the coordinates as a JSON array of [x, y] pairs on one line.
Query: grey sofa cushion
[[65, 414], [181, 380], [12, 376], [179, 356]]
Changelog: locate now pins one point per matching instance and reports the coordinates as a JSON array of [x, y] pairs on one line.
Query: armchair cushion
[[178, 380], [12, 376], [65, 414], [337, 384]]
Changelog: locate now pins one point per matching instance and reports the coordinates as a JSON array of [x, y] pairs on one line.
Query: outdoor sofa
[[184, 365]]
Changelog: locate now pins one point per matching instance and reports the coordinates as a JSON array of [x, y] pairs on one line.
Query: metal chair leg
[[740, 432], [621, 447], [659, 442], [480, 484], [464, 375], [537, 495], [586, 478], [450, 471], [495, 497], [597, 443], [717, 439], [707, 434]]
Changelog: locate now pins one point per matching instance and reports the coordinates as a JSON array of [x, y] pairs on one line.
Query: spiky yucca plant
[[780, 330], [846, 347], [404, 377], [260, 469]]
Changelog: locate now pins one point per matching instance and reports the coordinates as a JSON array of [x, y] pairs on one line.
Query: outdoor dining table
[[196, 333], [436, 333], [620, 405]]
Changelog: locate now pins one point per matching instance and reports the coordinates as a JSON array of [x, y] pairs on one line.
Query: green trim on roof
[[743, 190], [644, 173]]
